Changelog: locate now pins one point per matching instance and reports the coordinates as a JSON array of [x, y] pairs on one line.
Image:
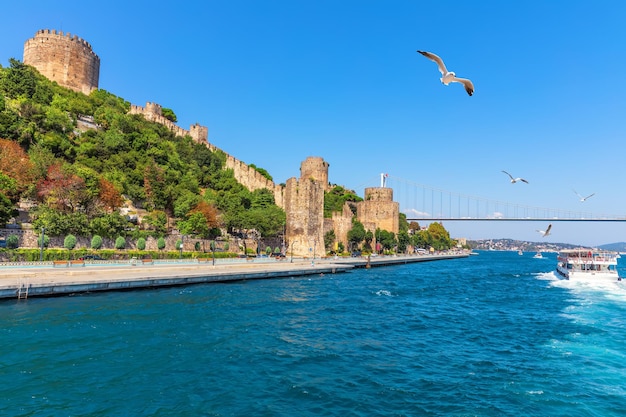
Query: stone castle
[[70, 61]]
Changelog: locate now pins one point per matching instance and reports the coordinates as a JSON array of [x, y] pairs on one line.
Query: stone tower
[[64, 58], [378, 210], [304, 208], [315, 168]]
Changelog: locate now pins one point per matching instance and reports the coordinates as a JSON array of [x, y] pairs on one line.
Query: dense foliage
[[83, 158], [335, 198]]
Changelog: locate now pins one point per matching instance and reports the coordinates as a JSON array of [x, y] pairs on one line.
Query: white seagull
[[448, 76], [546, 232], [582, 199], [514, 180]]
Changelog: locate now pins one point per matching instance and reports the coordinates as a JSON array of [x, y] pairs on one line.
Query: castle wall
[[304, 201], [66, 59], [342, 224], [378, 210]]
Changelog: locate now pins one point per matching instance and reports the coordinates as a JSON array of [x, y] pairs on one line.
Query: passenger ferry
[[591, 265]]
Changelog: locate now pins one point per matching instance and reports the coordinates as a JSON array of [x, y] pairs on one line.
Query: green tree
[[169, 114], [356, 235], [195, 225], [7, 210], [141, 243], [12, 241], [161, 243], [120, 242], [96, 242], [69, 242], [439, 236], [403, 241], [329, 240], [386, 239]]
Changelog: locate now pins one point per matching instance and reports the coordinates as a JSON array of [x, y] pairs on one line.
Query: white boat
[[538, 255], [591, 265]]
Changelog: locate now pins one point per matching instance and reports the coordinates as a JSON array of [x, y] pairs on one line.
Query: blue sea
[[490, 335]]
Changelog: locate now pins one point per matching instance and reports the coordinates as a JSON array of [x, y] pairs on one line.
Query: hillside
[[82, 158]]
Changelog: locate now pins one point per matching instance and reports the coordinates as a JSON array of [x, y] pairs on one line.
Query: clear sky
[[277, 81]]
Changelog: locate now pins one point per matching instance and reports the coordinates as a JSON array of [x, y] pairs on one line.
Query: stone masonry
[[66, 59]]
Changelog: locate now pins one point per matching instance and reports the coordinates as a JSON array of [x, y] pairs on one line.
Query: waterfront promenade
[[44, 279]]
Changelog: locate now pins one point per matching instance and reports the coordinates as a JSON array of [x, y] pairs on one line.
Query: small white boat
[[590, 265], [538, 255], [520, 253]]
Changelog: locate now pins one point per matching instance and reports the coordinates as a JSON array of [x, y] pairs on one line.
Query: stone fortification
[[341, 224], [154, 112], [304, 207], [244, 174], [66, 59], [315, 168], [378, 210]]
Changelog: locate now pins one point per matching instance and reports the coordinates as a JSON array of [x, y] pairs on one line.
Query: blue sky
[[278, 81]]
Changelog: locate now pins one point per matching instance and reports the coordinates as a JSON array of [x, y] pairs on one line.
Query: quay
[[45, 279]]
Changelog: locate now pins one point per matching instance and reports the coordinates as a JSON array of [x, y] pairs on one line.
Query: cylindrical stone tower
[[66, 59]]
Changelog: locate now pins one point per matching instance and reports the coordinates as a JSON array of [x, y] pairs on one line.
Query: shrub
[[96, 242], [12, 242], [268, 250], [120, 242], [141, 243], [196, 246], [69, 242], [179, 244], [226, 246], [161, 243]]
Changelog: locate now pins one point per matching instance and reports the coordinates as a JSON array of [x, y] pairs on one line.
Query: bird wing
[[579, 196], [548, 229], [469, 87], [590, 195], [523, 180], [437, 60], [508, 174]]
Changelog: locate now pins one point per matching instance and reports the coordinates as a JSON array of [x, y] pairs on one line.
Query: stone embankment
[[45, 279]]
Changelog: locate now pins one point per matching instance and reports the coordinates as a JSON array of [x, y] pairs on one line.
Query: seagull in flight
[[448, 77], [582, 199], [514, 180], [546, 232]]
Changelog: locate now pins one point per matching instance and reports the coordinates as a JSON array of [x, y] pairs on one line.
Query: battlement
[[44, 34]]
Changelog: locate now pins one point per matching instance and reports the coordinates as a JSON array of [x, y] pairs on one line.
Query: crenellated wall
[[154, 112], [342, 224], [66, 59], [378, 210], [304, 207]]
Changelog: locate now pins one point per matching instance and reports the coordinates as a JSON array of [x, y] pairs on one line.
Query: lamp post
[[43, 231], [181, 246], [292, 243], [213, 251]]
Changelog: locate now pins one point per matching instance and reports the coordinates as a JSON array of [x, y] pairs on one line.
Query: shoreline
[[43, 279]]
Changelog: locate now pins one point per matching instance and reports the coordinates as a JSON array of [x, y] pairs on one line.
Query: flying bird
[[448, 77], [514, 180], [546, 232], [582, 199]]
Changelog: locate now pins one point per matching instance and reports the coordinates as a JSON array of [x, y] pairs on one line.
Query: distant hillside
[[617, 247]]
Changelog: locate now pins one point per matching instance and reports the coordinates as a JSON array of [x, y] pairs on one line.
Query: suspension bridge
[[425, 203]]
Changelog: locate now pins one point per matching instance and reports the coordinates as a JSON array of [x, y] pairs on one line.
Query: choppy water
[[490, 335]]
